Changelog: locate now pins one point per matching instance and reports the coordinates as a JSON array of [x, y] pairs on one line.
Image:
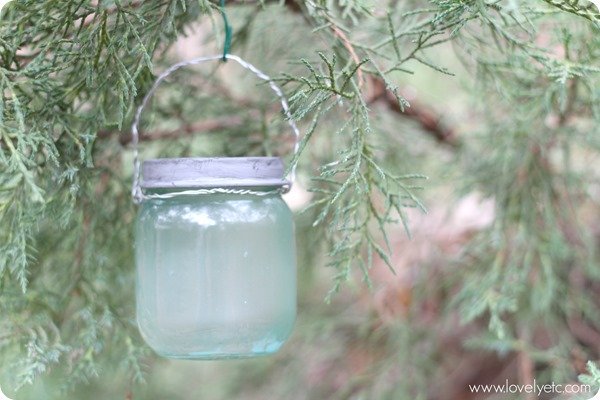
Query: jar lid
[[192, 173]]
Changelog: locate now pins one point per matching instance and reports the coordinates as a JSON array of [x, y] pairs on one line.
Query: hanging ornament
[[215, 249]]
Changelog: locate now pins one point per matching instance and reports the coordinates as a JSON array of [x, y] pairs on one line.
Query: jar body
[[216, 275]]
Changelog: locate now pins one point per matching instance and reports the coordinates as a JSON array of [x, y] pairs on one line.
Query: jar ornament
[[214, 248]]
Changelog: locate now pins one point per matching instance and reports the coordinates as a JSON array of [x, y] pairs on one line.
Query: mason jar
[[215, 255]]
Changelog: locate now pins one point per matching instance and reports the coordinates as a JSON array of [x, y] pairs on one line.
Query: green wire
[[228, 32]]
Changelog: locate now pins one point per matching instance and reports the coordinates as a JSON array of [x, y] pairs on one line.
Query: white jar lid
[[165, 173]]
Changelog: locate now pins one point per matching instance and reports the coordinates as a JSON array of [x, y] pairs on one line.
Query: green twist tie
[[228, 32]]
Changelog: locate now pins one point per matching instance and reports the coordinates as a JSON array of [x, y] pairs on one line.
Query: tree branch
[[585, 12], [425, 117], [206, 126], [340, 34]]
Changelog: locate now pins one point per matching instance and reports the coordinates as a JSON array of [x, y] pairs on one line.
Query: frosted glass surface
[[216, 275]]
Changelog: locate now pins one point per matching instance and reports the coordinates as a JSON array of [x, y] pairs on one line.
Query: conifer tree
[[522, 291]]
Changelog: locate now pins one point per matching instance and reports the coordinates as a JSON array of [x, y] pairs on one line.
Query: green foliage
[[69, 69], [72, 71], [575, 7], [593, 379], [348, 187], [358, 196]]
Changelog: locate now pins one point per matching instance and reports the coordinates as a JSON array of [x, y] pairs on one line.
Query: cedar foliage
[[72, 72]]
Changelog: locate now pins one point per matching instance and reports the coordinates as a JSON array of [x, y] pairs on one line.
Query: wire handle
[[136, 192]]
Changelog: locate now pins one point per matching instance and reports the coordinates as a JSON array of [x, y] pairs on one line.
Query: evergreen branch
[[573, 7], [339, 33], [593, 379], [426, 118], [72, 71]]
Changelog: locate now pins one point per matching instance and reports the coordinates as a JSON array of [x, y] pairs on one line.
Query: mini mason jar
[[215, 255]]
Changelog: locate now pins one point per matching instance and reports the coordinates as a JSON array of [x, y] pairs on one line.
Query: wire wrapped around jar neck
[[137, 191], [197, 192]]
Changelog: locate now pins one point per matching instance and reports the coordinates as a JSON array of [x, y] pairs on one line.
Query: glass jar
[[216, 272]]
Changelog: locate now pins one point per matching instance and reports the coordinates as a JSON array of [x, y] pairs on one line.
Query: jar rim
[[213, 172]]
